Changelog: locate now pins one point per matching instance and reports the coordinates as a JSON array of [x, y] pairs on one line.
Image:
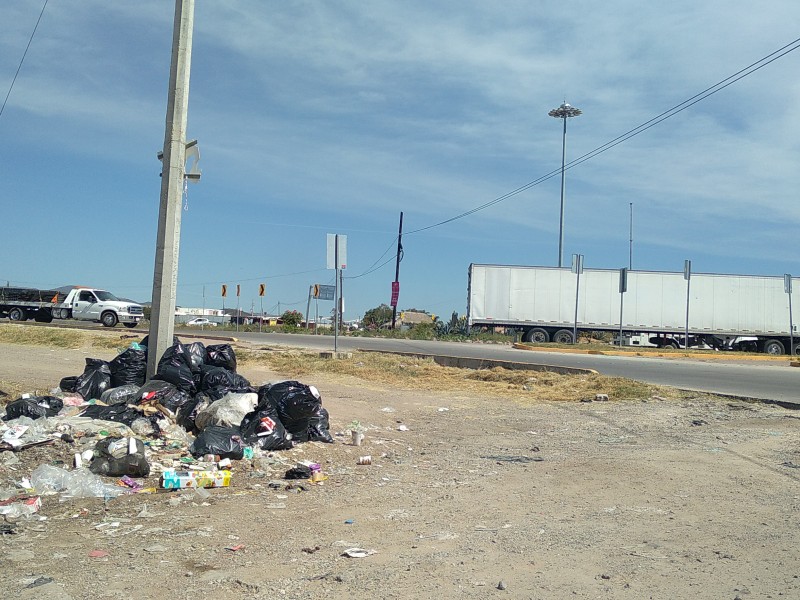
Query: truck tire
[[130, 325], [17, 314], [796, 349], [537, 335], [563, 336], [109, 319], [774, 347]]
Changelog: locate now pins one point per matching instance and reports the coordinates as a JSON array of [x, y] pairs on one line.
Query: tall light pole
[[563, 112]]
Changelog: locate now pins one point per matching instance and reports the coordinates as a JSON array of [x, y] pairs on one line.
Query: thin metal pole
[[621, 300], [561, 220], [630, 246], [579, 268], [336, 297]]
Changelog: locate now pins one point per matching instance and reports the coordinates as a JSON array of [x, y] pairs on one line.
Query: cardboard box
[[174, 480]]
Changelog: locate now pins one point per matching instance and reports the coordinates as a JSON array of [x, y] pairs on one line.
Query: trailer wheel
[[130, 325], [108, 319], [563, 336], [796, 349], [774, 347], [17, 314], [537, 335]]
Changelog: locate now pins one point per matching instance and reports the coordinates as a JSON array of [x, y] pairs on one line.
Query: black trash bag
[[216, 377], [197, 355], [113, 457], [298, 472], [146, 340], [226, 442], [124, 394], [161, 392], [187, 414], [95, 380], [129, 368], [118, 413], [221, 355], [178, 374], [262, 428], [319, 427], [68, 384], [296, 404], [33, 407], [177, 354]]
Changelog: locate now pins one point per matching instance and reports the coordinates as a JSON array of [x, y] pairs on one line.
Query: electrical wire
[[24, 54], [717, 87]]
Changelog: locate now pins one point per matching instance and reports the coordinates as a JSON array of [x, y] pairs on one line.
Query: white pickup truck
[[80, 303]]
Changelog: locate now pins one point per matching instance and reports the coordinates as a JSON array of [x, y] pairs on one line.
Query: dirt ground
[[481, 497]]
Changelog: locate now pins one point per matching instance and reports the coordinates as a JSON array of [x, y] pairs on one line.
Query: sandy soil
[[482, 497]]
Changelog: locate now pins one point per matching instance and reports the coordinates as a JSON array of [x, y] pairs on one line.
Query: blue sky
[[332, 117]]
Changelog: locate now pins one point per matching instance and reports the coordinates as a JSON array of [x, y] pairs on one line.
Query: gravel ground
[[480, 497]]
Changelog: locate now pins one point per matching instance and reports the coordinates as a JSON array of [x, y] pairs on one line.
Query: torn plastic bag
[[216, 377], [79, 483], [197, 355], [178, 374], [124, 394], [33, 407], [116, 456], [221, 355], [227, 442], [163, 393], [319, 427], [227, 411], [263, 429], [188, 412], [95, 380], [119, 413], [129, 368]]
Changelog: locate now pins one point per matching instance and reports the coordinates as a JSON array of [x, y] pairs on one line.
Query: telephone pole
[[396, 287], [165, 275]]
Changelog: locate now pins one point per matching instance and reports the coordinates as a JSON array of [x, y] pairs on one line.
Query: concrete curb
[[657, 354], [463, 362]]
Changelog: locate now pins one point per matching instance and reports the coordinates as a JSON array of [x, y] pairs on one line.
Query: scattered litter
[[699, 422], [39, 581], [402, 428], [364, 460], [309, 550], [443, 409], [20, 506], [349, 522], [601, 397], [235, 548], [99, 554], [173, 480], [358, 553]]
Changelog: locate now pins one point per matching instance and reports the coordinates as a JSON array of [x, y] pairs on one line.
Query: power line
[[24, 54], [719, 86]]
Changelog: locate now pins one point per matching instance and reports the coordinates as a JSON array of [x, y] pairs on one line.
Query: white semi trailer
[[739, 312]]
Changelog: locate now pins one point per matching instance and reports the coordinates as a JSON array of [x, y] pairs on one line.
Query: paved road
[[775, 381]]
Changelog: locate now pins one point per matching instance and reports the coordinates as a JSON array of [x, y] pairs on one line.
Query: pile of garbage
[[197, 409]]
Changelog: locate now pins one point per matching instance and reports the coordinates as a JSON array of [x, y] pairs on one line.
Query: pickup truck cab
[[89, 304]]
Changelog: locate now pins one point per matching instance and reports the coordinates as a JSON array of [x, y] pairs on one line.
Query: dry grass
[[388, 370], [60, 337], [424, 374]]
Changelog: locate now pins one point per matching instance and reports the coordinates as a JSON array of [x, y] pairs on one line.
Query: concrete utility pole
[[165, 276]]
